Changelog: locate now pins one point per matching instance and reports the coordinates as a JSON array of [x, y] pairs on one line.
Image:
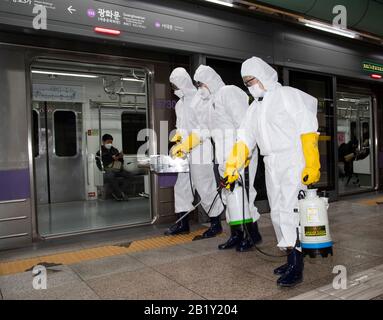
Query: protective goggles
[[248, 82], [198, 84]]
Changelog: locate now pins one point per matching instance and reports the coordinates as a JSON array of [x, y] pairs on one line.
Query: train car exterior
[[58, 97]]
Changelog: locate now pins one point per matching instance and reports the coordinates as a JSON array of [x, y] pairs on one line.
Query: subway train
[[104, 68]]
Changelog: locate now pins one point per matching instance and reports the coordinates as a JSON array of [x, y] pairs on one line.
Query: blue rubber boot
[[255, 235], [280, 271], [294, 272], [251, 237], [234, 240], [215, 228]]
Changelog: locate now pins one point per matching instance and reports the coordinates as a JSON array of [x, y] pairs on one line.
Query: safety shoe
[[251, 237], [181, 227], [215, 228], [245, 245], [294, 272], [255, 234], [234, 240], [281, 270]]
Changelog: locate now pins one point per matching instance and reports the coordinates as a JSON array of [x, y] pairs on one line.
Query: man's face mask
[[256, 91], [108, 146], [179, 93], [204, 93]]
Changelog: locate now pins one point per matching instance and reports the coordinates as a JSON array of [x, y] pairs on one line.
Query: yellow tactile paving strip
[[67, 258], [372, 202]]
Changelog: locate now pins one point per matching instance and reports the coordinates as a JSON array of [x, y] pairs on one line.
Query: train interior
[[354, 132], [73, 106]]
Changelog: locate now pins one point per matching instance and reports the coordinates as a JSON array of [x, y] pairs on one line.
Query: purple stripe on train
[[167, 180], [14, 185]]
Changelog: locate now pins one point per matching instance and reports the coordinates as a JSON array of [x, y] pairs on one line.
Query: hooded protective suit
[[202, 157], [183, 194], [277, 125], [228, 106]]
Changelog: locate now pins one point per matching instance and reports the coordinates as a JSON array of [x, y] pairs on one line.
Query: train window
[[35, 133], [132, 124], [65, 133]]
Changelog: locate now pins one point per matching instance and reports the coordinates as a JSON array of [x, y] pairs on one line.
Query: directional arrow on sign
[[71, 9]]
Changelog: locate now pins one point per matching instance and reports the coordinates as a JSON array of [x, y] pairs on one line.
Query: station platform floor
[[141, 263]]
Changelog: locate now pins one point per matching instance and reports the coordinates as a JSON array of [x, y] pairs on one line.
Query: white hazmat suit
[[276, 124], [202, 158], [183, 194], [229, 105], [198, 144]]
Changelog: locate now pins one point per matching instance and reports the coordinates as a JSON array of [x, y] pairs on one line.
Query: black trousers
[[118, 180]]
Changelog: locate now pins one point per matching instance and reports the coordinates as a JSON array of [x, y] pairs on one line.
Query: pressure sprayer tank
[[315, 232]]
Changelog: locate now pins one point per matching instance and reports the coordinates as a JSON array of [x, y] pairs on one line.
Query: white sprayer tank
[[315, 230]]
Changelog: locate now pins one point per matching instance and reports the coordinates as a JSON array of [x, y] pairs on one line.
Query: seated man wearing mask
[[112, 165], [284, 125]]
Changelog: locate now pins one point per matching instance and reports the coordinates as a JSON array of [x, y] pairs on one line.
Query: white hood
[[183, 81], [208, 76], [258, 68]]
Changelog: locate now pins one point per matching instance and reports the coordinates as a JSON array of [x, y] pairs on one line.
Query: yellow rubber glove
[[311, 173], [237, 159], [176, 138], [186, 146]]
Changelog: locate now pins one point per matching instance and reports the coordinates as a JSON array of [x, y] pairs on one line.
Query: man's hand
[[182, 149], [311, 173], [118, 156], [178, 151], [177, 138], [310, 176], [231, 176], [224, 184], [237, 159]]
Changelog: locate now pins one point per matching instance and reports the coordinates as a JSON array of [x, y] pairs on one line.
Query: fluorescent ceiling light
[[78, 75], [329, 28], [132, 80], [222, 2]]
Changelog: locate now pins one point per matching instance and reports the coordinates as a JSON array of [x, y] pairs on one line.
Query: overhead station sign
[[103, 15], [373, 67], [137, 22]]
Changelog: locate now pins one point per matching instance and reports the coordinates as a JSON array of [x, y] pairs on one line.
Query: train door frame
[[35, 54], [376, 139], [374, 112]]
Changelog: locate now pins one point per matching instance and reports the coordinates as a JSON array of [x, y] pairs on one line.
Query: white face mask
[[204, 93], [256, 91], [108, 146], [179, 93]]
